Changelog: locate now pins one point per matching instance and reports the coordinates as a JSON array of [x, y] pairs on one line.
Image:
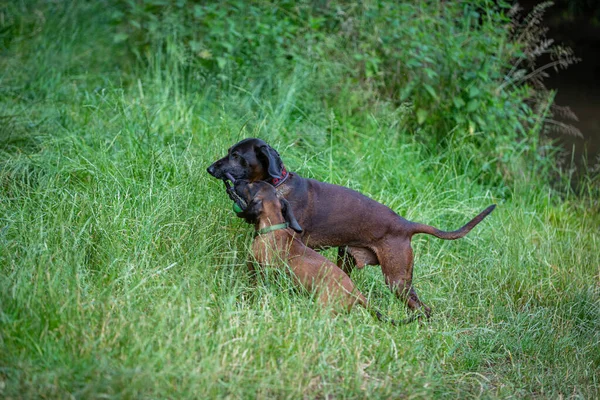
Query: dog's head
[[264, 203], [250, 159]]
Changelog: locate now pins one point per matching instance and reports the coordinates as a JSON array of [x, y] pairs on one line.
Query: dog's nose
[[211, 169]]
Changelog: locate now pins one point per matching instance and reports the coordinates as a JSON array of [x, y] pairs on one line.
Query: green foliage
[[449, 65], [219, 40]]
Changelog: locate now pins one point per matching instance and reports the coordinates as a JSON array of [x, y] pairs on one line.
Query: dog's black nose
[[211, 170]]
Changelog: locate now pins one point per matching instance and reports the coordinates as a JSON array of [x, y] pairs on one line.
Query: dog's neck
[[272, 229], [278, 181], [263, 224], [284, 186], [270, 216]]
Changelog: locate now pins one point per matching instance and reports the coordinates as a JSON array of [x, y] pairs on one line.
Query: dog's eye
[[240, 159]]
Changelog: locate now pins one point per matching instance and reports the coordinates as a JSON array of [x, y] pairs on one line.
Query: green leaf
[[198, 11], [117, 15], [221, 62], [413, 63], [458, 102], [195, 46], [430, 90], [120, 37], [406, 91], [228, 46], [430, 73], [421, 116], [472, 105], [474, 91], [480, 122]]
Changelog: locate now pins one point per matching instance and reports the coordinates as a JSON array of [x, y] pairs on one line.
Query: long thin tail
[[457, 234]]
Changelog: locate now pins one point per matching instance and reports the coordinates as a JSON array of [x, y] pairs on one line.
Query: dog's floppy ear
[[273, 161], [286, 210]]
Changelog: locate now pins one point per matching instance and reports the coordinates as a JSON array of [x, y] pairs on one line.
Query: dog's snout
[[211, 169]]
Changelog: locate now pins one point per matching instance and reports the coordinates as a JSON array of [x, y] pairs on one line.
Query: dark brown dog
[[276, 245], [366, 232]]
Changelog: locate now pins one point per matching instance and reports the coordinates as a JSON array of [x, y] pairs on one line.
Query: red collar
[[278, 181]]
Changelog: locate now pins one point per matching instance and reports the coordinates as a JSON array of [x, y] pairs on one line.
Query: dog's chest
[[270, 250]]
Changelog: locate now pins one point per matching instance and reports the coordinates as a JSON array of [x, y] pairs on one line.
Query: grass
[[123, 268]]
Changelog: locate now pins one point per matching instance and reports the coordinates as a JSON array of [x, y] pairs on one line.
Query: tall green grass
[[122, 268]]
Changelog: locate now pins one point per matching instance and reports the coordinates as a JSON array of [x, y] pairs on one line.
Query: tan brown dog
[[366, 232], [277, 245]]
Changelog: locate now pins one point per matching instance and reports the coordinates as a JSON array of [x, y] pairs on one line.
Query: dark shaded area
[[576, 24]]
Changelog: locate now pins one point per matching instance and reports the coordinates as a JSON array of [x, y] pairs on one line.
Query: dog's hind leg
[[396, 260]]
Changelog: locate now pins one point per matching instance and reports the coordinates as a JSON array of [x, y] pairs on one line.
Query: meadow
[[123, 268]]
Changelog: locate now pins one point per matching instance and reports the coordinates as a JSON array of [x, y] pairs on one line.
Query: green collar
[[271, 228]]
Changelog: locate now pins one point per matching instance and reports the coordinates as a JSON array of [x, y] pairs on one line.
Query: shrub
[[459, 67]]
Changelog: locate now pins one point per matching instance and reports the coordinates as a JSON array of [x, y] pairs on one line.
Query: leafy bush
[[459, 68]]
